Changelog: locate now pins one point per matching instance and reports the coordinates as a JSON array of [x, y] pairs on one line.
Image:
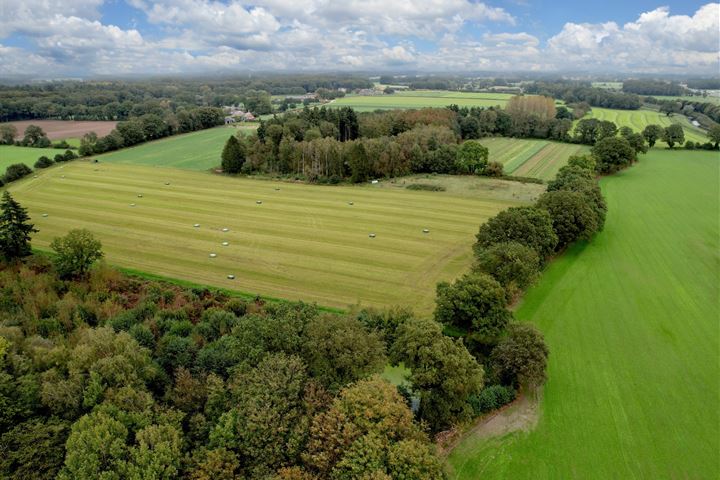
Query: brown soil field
[[63, 129]]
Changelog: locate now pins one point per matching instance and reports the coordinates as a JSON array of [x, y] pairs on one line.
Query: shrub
[[494, 169], [143, 335], [236, 306], [76, 252], [471, 158], [44, 162], [70, 155], [521, 357], [573, 216], [526, 225], [512, 264], [16, 171], [475, 303], [425, 187], [613, 154], [61, 144], [690, 145], [491, 398], [583, 161]]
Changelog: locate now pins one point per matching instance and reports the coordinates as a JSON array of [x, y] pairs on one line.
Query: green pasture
[[631, 320], [691, 98], [531, 158], [10, 154], [193, 151], [421, 99], [303, 242], [639, 119]]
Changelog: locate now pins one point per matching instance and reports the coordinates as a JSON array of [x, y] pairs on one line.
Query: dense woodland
[[576, 92]]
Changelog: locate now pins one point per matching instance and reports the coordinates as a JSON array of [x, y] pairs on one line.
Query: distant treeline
[[120, 100], [575, 92], [704, 84], [708, 114], [653, 87]]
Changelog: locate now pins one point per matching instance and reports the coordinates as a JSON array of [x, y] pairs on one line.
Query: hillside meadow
[[303, 242], [631, 323], [192, 151], [421, 99], [639, 119]]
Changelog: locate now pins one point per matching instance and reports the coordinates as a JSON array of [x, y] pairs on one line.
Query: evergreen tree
[[14, 229], [233, 156]]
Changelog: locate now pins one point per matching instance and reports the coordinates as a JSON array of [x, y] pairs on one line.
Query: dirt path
[[520, 415]]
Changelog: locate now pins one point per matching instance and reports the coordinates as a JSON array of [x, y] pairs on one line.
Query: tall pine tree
[[14, 229], [233, 156]]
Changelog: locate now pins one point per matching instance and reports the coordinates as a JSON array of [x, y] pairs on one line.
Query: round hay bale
[[196, 225], [35, 176], [351, 203], [225, 229], [45, 214], [132, 204], [62, 176], [139, 195], [225, 244], [213, 255], [425, 230], [259, 202], [372, 235], [167, 183], [231, 277], [277, 189]]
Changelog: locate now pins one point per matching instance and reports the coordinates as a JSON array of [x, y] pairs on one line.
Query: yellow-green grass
[[631, 320], [193, 151], [421, 99], [303, 242], [639, 119], [531, 158], [10, 154], [689, 98]]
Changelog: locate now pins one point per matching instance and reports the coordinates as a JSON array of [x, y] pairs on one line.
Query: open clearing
[[303, 242], [531, 158], [191, 151], [10, 154], [639, 119], [421, 99], [631, 320], [66, 129]]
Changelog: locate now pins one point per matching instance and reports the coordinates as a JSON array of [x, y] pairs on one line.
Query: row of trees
[[151, 127], [33, 136], [654, 87]]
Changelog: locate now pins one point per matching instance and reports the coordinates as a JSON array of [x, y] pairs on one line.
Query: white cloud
[[656, 41], [201, 35]]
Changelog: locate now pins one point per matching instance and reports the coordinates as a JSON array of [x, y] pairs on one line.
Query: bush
[[16, 171], [583, 161], [425, 187], [44, 162], [61, 144], [494, 169], [526, 225], [512, 264], [491, 398], [76, 252], [70, 155], [690, 145], [613, 154]]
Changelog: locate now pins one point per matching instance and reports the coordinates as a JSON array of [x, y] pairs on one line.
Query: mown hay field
[[421, 99], [303, 242], [531, 158], [631, 320]]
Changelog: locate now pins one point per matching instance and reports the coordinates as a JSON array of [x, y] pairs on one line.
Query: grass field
[[530, 158], [639, 119], [421, 99], [10, 154], [303, 242], [192, 151], [709, 99], [632, 325]]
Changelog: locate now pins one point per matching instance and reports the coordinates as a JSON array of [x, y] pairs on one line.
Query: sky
[[91, 38]]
